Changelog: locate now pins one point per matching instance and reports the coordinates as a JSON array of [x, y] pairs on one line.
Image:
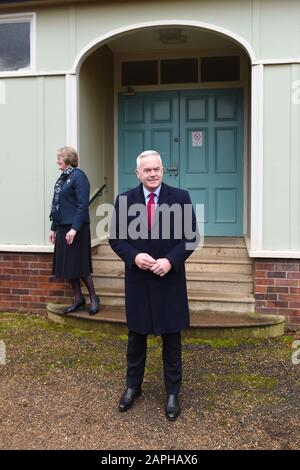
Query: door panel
[[147, 121], [201, 132], [211, 156]]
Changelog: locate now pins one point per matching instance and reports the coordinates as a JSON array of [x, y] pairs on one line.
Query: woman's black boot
[[78, 297], [95, 306], [95, 302], [76, 306]]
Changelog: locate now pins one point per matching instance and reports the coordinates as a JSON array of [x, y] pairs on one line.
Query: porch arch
[[89, 48], [254, 236]]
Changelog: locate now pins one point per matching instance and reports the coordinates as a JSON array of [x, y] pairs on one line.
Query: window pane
[[179, 71], [140, 73], [14, 46], [220, 69]]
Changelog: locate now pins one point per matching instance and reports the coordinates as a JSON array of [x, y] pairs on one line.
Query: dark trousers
[[171, 353]]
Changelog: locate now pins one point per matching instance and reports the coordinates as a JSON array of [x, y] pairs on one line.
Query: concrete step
[[211, 241], [111, 297], [211, 265], [220, 265], [219, 276], [205, 324], [216, 282], [207, 251], [216, 252], [225, 282], [199, 300]]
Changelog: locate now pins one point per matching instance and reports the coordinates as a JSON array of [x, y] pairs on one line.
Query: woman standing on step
[[70, 229]]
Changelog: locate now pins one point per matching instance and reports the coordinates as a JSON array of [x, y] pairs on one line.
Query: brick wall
[[277, 288], [26, 283]]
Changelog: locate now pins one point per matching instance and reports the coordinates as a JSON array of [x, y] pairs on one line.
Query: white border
[[277, 61], [19, 18], [33, 74], [40, 248], [274, 254], [269, 253], [116, 131], [246, 110], [27, 248], [72, 125], [257, 116]]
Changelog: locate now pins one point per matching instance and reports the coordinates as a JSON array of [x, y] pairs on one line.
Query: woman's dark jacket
[[74, 201]]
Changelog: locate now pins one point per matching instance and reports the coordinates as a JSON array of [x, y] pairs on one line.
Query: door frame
[[178, 91], [243, 84]]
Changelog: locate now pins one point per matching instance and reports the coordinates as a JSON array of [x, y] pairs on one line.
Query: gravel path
[[60, 387]]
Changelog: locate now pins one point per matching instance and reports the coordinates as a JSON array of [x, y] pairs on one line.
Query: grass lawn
[[60, 387]]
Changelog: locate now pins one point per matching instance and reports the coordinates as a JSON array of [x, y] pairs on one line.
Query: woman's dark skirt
[[72, 261]]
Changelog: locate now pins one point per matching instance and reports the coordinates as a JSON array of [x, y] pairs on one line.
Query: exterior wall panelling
[[32, 127], [281, 156], [21, 188]]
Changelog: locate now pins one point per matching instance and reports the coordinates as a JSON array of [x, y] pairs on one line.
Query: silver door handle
[[173, 169]]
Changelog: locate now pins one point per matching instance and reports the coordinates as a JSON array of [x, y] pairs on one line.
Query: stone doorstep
[[246, 324], [223, 242]]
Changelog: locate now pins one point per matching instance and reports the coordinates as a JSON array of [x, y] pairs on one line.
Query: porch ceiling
[[149, 40]]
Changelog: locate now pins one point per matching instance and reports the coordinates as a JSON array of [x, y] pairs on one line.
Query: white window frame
[[21, 18]]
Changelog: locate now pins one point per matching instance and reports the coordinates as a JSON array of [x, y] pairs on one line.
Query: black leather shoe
[[94, 310], [172, 407], [128, 397], [76, 306]]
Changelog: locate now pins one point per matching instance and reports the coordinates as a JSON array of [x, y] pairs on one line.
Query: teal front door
[[199, 135]]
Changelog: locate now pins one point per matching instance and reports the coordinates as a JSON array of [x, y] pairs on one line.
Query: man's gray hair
[[147, 153]]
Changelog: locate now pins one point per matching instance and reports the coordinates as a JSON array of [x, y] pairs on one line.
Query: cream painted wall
[[281, 168], [270, 26], [279, 28], [96, 125], [55, 27], [32, 126], [54, 137]]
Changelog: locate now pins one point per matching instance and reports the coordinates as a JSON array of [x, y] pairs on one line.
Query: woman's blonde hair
[[69, 156]]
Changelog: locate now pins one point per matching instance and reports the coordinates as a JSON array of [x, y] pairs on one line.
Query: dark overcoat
[[154, 305]]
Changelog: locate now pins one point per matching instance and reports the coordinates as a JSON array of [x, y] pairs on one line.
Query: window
[[143, 72], [184, 70], [220, 69], [15, 43], [179, 71]]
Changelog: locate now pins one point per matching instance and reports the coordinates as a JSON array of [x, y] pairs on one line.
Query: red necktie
[[151, 209]]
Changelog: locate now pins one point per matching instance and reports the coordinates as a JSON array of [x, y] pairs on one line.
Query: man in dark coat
[[154, 231]]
